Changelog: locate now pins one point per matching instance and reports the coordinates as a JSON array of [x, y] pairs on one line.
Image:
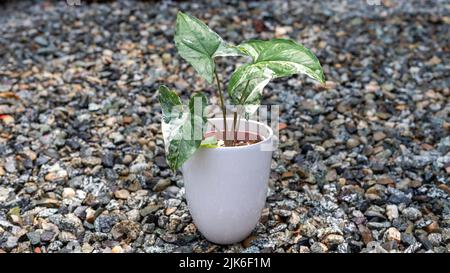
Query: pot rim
[[267, 139]]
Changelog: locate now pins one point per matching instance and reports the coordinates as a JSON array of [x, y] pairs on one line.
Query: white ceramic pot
[[226, 187]]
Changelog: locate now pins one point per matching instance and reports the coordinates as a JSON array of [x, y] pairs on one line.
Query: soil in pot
[[242, 138]]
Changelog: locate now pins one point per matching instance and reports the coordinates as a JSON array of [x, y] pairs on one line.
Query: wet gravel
[[364, 161]]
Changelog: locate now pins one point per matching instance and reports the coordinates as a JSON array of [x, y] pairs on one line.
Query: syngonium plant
[[184, 126]]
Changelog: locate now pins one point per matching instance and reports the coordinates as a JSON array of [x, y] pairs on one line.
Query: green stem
[[224, 110]]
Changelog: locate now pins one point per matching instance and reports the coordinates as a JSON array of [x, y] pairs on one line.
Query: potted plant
[[226, 161]]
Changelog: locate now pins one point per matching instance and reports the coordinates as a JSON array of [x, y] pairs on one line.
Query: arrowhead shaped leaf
[[284, 57], [198, 45], [168, 100], [271, 59], [182, 127], [246, 86]]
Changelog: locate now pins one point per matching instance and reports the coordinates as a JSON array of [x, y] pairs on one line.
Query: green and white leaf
[[182, 132], [246, 86], [284, 57], [271, 59], [199, 45], [169, 100]]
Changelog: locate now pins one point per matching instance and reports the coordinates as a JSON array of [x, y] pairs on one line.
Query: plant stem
[[234, 127], [224, 110], [235, 113]]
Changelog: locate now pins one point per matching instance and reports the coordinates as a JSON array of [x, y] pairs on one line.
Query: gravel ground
[[364, 162]]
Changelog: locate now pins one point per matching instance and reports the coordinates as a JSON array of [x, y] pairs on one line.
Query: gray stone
[[446, 235], [104, 223], [318, 247], [92, 161], [40, 40], [47, 236], [161, 161], [353, 142], [412, 213], [34, 237], [117, 138], [290, 154], [94, 107], [161, 185], [435, 239], [10, 165], [11, 242], [108, 159], [149, 209], [444, 145]]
